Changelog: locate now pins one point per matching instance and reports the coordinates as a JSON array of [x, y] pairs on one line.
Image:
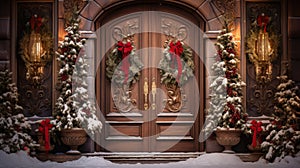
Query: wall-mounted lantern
[[262, 48], [36, 49]]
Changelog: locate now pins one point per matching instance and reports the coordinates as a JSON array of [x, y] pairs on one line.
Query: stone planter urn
[[228, 137], [73, 137]]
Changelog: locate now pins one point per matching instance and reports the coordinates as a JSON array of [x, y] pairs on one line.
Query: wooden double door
[[150, 116]]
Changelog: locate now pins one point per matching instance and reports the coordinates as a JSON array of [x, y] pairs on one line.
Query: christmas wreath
[[263, 43], [123, 65], [36, 31], [177, 64]]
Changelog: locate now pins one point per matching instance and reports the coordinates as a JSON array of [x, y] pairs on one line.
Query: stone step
[[144, 158]]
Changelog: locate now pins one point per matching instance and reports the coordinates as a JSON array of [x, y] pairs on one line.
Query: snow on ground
[[213, 160]]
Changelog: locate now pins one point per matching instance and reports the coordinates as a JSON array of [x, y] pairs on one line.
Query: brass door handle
[[146, 92], [153, 91]]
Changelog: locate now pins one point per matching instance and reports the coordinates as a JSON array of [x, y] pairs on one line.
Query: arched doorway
[[149, 123]]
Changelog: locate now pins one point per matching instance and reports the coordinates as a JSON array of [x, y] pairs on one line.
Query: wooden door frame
[[169, 7]]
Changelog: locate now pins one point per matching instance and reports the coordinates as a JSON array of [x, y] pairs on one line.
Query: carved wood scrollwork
[[175, 98], [122, 99], [71, 7], [262, 99], [127, 29], [35, 101], [170, 28]]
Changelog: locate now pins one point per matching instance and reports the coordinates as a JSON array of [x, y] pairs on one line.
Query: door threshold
[[141, 153]]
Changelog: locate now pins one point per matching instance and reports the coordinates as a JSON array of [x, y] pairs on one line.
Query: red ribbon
[[229, 91], [35, 23], [256, 128], [125, 49], [44, 129], [236, 116], [262, 21], [231, 106], [64, 77], [176, 50]]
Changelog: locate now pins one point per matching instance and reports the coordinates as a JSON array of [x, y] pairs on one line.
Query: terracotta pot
[[73, 137], [228, 138]]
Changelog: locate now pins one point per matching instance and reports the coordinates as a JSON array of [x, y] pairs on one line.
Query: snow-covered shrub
[[14, 127], [282, 139]]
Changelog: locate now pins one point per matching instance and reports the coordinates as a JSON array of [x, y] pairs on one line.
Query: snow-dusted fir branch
[[86, 110]]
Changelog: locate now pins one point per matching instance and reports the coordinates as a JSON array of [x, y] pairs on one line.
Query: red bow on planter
[[262, 21], [125, 49], [176, 51], [256, 128], [44, 129]]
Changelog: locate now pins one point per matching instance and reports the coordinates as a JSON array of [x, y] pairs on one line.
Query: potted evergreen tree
[[73, 109], [226, 115]]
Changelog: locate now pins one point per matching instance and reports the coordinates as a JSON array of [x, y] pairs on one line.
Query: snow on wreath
[[177, 64], [123, 65]]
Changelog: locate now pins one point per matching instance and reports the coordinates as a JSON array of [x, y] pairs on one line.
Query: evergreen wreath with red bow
[[123, 65], [38, 25], [263, 23], [177, 64]]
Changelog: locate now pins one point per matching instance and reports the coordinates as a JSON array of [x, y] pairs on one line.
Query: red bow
[[256, 128], [35, 23], [176, 51], [262, 21], [125, 49], [44, 129]]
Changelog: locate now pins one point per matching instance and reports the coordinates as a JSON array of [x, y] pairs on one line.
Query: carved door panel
[[175, 123], [150, 116]]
